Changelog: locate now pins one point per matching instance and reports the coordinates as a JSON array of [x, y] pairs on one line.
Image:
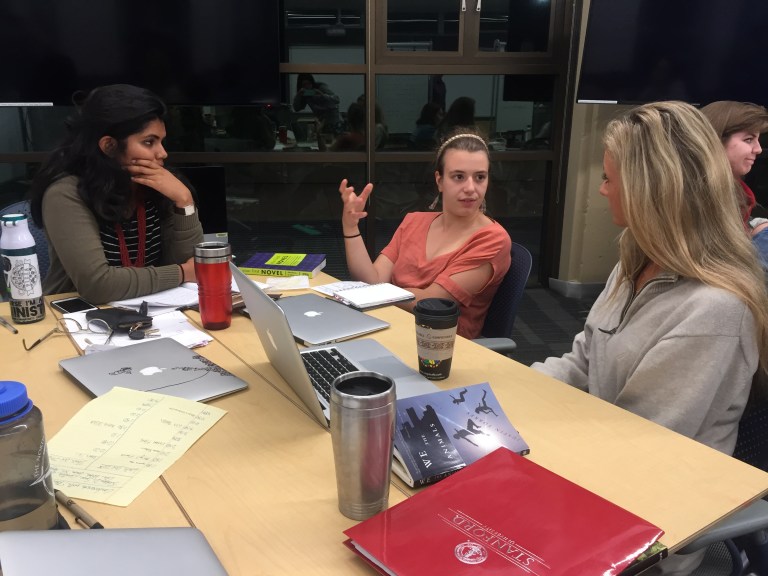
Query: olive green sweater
[[77, 255]]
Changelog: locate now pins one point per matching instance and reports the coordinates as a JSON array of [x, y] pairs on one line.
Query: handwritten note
[[121, 442]]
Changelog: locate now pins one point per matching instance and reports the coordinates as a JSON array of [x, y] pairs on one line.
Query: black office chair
[[497, 330], [41, 242], [744, 535]]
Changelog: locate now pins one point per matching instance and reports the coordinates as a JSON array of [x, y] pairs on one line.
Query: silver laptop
[[158, 365], [114, 551], [364, 354], [317, 320]]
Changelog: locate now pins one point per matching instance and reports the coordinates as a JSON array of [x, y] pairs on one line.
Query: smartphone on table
[[74, 304]]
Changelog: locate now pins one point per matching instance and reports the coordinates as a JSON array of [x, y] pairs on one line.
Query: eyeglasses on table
[[72, 326]]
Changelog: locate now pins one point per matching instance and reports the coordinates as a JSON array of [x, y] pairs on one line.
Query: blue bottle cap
[[13, 399]]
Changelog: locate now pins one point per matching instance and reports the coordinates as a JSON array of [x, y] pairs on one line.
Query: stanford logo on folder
[[505, 515]]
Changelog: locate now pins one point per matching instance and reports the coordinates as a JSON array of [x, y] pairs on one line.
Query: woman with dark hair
[[423, 136], [119, 224], [460, 113], [458, 253], [321, 100]]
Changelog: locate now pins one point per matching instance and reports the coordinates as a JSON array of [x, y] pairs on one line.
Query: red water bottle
[[214, 284]]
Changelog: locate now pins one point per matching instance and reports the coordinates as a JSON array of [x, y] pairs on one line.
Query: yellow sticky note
[[286, 259]]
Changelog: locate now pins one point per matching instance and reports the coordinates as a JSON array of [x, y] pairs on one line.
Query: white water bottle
[[20, 270]]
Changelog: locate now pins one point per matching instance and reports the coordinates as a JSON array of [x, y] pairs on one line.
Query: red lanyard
[[141, 217]]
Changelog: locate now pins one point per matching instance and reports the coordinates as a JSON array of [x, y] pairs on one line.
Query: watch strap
[[186, 211]]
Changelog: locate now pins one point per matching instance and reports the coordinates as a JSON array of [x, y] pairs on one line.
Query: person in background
[[381, 132], [353, 138], [459, 253], [739, 125], [321, 100], [423, 136], [252, 124], [119, 223], [460, 113], [437, 91], [681, 328]]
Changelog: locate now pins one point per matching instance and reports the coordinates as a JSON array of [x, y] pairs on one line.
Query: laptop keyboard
[[323, 366]]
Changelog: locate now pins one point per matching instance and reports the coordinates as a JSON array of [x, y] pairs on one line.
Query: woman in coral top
[[459, 253]]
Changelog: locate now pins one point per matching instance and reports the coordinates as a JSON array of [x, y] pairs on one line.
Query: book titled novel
[[438, 433], [283, 264], [503, 514]]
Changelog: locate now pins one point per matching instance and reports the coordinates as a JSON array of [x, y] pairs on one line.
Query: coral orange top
[[407, 250]]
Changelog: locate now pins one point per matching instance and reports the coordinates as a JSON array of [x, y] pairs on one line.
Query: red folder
[[503, 515]]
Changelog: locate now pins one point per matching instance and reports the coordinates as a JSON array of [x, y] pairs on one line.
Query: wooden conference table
[[261, 483]]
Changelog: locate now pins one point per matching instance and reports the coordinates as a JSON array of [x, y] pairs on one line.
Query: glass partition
[[324, 31], [514, 25], [418, 109], [292, 207], [424, 26]]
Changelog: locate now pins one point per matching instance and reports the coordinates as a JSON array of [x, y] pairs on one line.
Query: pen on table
[[8, 325], [81, 516]]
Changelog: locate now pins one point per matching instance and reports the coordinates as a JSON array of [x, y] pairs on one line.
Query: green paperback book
[[283, 264]]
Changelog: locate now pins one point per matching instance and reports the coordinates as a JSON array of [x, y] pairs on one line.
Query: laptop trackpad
[[409, 382]]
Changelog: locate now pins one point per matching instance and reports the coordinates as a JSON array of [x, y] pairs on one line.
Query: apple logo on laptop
[[312, 314], [271, 339], [151, 370]]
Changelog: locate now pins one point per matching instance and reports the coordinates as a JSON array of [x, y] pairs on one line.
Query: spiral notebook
[[373, 296]]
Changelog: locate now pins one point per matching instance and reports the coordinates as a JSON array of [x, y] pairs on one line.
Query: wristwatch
[[755, 222], [186, 211]]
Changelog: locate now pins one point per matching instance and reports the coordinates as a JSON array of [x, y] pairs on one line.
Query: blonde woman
[[680, 329], [458, 253]]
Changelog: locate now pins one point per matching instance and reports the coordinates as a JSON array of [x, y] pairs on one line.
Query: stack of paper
[[161, 302]]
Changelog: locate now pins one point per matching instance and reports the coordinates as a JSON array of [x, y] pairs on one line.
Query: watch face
[[187, 210]]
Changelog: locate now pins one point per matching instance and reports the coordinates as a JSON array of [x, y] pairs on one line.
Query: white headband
[[466, 135]]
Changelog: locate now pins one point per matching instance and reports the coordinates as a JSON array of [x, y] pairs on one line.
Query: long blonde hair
[[678, 201]]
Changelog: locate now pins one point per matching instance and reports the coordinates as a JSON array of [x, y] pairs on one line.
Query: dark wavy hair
[[118, 110]]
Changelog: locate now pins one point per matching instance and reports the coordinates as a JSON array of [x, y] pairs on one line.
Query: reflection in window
[[514, 112], [292, 207], [514, 25], [412, 27], [313, 24]]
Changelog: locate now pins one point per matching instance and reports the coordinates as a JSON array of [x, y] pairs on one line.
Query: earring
[[483, 206], [434, 202]]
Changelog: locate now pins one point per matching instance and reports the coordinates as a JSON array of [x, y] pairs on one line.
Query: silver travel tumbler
[[362, 430]]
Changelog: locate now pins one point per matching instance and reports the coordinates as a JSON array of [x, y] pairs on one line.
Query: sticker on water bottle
[[22, 276]]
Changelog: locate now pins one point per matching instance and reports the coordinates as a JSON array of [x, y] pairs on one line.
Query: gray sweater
[[77, 255], [679, 353]]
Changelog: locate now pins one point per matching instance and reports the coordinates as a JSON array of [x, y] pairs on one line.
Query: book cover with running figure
[[283, 264], [439, 433]]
